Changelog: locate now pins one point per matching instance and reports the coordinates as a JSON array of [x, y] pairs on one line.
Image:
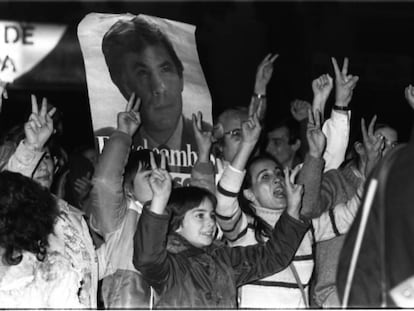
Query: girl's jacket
[[184, 276]]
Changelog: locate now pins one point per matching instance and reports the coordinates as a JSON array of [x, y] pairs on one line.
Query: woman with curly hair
[[31, 275], [71, 237]]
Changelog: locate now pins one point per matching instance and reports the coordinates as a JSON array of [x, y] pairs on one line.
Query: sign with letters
[[107, 97], [24, 45]]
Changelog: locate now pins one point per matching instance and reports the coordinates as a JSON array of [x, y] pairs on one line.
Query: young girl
[[193, 271], [263, 200]]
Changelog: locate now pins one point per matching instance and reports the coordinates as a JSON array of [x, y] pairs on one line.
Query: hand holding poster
[[157, 60]]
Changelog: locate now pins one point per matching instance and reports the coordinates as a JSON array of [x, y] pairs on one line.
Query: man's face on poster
[[154, 78]]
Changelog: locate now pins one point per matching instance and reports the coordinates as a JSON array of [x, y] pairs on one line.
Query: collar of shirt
[[174, 142]]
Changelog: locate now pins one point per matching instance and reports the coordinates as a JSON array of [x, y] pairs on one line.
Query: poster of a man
[[157, 60]]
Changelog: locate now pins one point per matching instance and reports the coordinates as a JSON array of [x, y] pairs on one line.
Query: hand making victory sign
[[344, 83], [39, 126], [294, 193], [130, 120], [161, 184], [316, 138]]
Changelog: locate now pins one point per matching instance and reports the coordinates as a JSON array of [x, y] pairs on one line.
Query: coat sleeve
[[310, 177], [106, 205], [331, 192], [150, 253], [24, 160], [230, 217], [336, 130], [338, 220], [202, 175], [261, 260]]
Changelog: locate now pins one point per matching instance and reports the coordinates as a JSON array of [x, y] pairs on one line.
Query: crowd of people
[[269, 220]]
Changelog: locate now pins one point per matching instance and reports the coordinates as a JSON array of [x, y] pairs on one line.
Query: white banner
[[24, 45], [106, 98]]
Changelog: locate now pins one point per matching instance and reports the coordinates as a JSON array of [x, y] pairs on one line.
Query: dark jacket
[[386, 256], [193, 277]]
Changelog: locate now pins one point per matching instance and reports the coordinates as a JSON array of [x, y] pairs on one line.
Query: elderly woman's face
[[45, 170]]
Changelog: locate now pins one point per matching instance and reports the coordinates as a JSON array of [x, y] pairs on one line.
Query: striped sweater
[[280, 290]]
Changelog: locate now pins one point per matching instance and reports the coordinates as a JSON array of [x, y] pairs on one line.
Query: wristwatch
[[336, 107]]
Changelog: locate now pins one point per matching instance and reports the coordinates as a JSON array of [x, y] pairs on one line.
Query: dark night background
[[232, 38]]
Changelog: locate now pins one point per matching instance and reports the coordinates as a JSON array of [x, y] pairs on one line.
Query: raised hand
[[39, 126], [321, 88], [294, 194], [373, 144], [299, 109], [251, 129], [160, 183], [203, 138], [264, 73], [409, 95], [316, 138], [344, 83], [130, 120]]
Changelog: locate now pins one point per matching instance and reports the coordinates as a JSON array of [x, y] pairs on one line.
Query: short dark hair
[[292, 126], [28, 213], [137, 157], [183, 199], [133, 36]]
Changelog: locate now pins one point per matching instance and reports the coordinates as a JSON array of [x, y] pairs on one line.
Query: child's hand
[[161, 183], [294, 194]]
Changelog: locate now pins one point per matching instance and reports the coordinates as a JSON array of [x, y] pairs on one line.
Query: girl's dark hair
[[262, 229], [27, 216], [137, 157], [183, 199]]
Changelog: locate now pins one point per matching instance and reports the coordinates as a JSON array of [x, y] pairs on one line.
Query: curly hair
[[27, 216]]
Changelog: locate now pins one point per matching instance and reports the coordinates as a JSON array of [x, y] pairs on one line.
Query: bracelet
[[259, 96], [336, 107]]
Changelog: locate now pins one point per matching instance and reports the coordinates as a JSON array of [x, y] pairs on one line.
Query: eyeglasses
[[234, 133]]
